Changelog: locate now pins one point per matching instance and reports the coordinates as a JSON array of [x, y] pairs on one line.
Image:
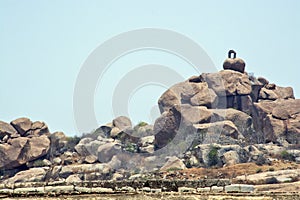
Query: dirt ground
[[279, 188], [230, 172]]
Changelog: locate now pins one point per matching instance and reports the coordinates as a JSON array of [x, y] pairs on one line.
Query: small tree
[[213, 158]]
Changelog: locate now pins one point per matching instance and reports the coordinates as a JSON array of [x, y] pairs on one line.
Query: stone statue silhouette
[[231, 52], [234, 63]]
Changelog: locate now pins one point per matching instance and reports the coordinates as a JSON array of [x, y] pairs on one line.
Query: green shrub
[[287, 156], [131, 147], [140, 124], [213, 158]]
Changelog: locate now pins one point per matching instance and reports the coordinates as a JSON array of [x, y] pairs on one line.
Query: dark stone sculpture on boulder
[[236, 64]]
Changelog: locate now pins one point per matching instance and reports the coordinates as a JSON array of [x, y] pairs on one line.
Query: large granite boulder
[[211, 132], [10, 153], [241, 120], [196, 114], [171, 123], [197, 94], [22, 125], [39, 128], [166, 126], [168, 100], [293, 128], [122, 123], [207, 98], [7, 130], [89, 148], [30, 175], [230, 158], [90, 171], [173, 163], [277, 120], [276, 92], [280, 176], [228, 83], [21, 150], [107, 151], [58, 143]]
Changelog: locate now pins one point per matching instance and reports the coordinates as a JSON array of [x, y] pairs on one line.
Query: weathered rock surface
[[182, 93], [228, 83], [173, 163], [278, 119], [236, 188], [171, 123], [210, 132], [39, 128], [146, 144], [230, 158], [240, 119], [7, 129], [30, 175], [20, 150], [122, 123], [276, 93], [280, 176], [22, 125], [166, 126], [107, 151], [206, 97], [195, 114], [168, 100], [89, 170], [58, 143]]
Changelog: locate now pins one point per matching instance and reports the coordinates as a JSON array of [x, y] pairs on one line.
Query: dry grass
[[282, 187], [232, 171]]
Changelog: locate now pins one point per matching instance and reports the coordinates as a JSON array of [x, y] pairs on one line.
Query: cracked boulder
[[277, 121], [22, 125], [19, 151], [7, 130]]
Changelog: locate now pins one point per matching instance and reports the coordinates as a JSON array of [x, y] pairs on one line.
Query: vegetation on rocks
[[287, 156], [213, 158]]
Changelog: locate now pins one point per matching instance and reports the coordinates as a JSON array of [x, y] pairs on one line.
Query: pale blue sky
[[43, 45]]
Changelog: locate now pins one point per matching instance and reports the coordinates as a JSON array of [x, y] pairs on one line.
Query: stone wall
[[127, 186]]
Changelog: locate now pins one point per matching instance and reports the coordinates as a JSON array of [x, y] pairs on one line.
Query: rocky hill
[[214, 119]]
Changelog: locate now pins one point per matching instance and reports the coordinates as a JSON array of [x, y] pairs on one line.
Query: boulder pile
[[214, 119], [22, 141]]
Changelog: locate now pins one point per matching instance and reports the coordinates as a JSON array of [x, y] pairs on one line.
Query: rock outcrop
[[241, 99], [23, 142], [277, 121], [214, 119]]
